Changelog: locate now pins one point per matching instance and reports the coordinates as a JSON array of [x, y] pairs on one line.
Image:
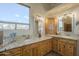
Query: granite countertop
[[23, 42], [68, 37]]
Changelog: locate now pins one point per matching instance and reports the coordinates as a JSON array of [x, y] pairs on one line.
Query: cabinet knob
[[64, 46], [69, 47], [59, 50]]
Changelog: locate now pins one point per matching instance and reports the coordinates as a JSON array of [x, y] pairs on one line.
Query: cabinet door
[[49, 46], [30, 50], [44, 47], [50, 26], [55, 45], [69, 49], [40, 51], [61, 47]]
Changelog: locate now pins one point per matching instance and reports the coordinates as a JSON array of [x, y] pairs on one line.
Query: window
[[12, 19], [23, 27], [1, 25], [6, 26], [9, 26], [11, 14], [12, 26]]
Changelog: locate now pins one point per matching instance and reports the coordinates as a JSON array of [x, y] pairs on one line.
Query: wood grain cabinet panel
[[50, 45], [70, 48], [13, 52], [27, 50], [64, 47], [61, 46], [35, 51], [50, 26], [55, 44], [44, 47]]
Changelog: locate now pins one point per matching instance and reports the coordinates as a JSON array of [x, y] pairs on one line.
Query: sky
[[13, 12]]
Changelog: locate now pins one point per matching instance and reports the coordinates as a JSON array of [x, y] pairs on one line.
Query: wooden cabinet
[[61, 46], [35, 49], [55, 44], [45, 47], [64, 47], [41, 50], [13, 52], [51, 25], [27, 51], [50, 45], [30, 50], [70, 48]]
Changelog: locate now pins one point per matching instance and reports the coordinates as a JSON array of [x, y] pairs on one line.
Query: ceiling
[[41, 8], [50, 9], [49, 6], [61, 9]]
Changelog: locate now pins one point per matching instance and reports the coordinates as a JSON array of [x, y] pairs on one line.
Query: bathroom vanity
[[63, 45], [37, 47]]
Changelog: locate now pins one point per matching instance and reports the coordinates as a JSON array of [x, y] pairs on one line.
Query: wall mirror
[[65, 23]]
